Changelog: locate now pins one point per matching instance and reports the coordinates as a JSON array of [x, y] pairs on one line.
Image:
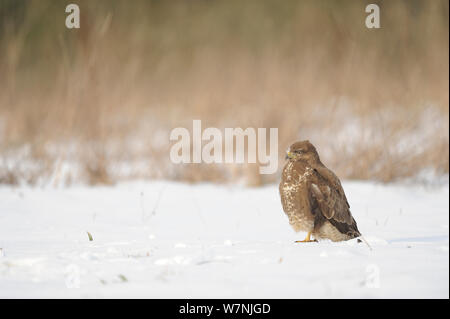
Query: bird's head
[[303, 150]]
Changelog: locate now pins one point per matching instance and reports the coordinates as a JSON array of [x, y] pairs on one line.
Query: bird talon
[[307, 241]]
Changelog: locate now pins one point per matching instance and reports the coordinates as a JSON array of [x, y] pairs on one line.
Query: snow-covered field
[[173, 240]]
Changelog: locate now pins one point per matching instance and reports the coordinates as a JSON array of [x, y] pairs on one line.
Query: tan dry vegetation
[[97, 104]]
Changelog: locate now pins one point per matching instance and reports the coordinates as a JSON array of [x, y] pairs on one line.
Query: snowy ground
[[171, 240]]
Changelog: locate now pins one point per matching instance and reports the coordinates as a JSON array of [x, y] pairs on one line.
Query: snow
[[173, 240]]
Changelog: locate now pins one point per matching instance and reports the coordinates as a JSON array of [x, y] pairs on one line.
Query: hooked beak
[[288, 155]]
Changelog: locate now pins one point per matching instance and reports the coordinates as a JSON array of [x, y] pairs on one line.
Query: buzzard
[[313, 198]]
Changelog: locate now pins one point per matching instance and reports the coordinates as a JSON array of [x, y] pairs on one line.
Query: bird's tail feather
[[365, 241]]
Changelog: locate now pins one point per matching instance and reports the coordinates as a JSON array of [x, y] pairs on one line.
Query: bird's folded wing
[[330, 196]]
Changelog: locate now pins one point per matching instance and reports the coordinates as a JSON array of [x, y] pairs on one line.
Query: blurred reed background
[[97, 104]]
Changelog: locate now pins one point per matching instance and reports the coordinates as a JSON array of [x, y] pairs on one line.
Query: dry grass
[[97, 104]]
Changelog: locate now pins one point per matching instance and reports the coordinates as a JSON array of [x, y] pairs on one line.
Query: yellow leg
[[307, 239]]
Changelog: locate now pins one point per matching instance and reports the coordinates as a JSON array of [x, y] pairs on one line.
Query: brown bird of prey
[[313, 197]]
